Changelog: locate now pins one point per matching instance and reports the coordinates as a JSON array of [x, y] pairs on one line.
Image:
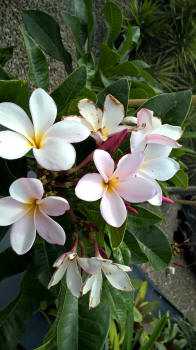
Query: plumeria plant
[[105, 192]]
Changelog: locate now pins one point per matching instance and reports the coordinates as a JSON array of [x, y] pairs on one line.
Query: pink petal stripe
[[163, 140]]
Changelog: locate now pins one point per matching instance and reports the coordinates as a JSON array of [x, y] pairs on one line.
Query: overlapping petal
[[136, 189], [91, 113], [26, 190], [69, 130], [90, 187], [54, 206], [161, 168], [144, 118], [13, 145], [73, 278], [91, 266], [104, 163], [117, 278], [162, 140], [138, 141], [113, 114], [58, 274], [128, 165], [11, 211], [113, 209], [174, 132], [153, 151]]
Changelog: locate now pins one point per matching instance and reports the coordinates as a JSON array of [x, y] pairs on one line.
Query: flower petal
[[54, 206], [95, 294], [90, 187], [160, 168], [26, 189], [156, 122], [91, 113], [128, 165], [13, 117], [118, 278], [154, 151], [162, 140], [157, 199], [56, 154], [113, 114], [73, 279], [113, 209], [87, 285], [58, 274], [136, 189], [144, 118], [104, 163], [174, 132], [43, 110], [129, 119], [13, 145], [69, 130], [90, 265], [23, 233], [123, 267], [138, 141], [11, 211], [48, 229]]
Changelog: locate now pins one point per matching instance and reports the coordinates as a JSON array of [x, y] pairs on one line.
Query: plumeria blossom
[[110, 185], [150, 130], [101, 124], [51, 144], [157, 166], [27, 212]]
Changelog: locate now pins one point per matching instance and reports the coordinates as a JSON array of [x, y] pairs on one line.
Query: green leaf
[[83, 93], [144, 217], [15, 91], [126, 44], [67, 329], [155, 334], [69, 89], [141, 64], [119, 89], [180, 179], [189, 135], [149, 307], [74, 25], [93, 325], [122, 254], [49, 345], [46, 32], [108, 58], [137, 315], [137, 255], [88, 61], [3, 74], [90, 22], [173, 108], [128, 333], [38, 67], [116, 234], [141, 294], [11, 263], [126, 68], [137, 93], [113, 16], [135, 34], [5, 54]]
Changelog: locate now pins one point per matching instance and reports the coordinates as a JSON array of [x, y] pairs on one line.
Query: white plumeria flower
[[28, 212], [111, 185], [101, 124], [158, 166], [51, 144], [116, 274], [150, 130]]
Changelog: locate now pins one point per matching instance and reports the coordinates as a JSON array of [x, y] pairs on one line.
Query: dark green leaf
[[38, 67], [90, 22], [88, 61], [137, 255], [122, 254], [141, 64], [128, 332], [15, 91], [116, 235], [11, 263], [74, 25], [126, 68], [83, 93], [126, 44], [119, 89], [145, 217], [108, 58], [49, 345], [113, 18], [5, 54], [3, 74], [155, 334], [149, 307], [137, 93], [180, 179], [46, 32], [189, 135]]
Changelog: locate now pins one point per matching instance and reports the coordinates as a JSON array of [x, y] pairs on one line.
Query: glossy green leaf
[[126, 68], [6, 54], [15, 91], [144, 217], [137, 255], [46, 32], [90, 22], [113, 16], [49, 345], [122, 254], [119, 89], [11, 263], [116, 234], [137, 315], [180, 179], [128, 332], [83, 93], [38, 67], [74, 25], [141, 293], [126, 44], [155, 334], [108, 58], [173, 107]]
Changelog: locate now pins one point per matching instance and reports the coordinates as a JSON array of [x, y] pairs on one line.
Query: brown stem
[[186, 202]]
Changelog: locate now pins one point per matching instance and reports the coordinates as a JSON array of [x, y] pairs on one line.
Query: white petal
[[79, 120], [87, 285], [54, 206], [129, 165], [69, 130], [113, 209], [144, 118], [48, 229], [43, 110], [136, 189], [160, 168], [26, 190], [95, 294], [118, 278], [123, 267], [113, 114], [23, 232], [90, 187], [138, 141], [58, 274], [13, 145], [129, 120], [156, 122], [13, 117], [157, 199], [104, 163], [90, 265], [11, 211], [117, 129], [91, 113], [174, 132], [156, 151], [73, 279], [56, 154]]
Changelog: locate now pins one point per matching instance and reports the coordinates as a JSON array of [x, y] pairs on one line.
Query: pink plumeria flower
[[157, 166], [110, 185], [27, 212], [101, 124], [116, 274], [151, 130], [51, 144]]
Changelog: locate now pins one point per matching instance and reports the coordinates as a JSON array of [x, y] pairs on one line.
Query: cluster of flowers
[[133, 180]]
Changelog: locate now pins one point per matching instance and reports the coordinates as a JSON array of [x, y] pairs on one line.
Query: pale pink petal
[[95, 293], [90, 187], [54, 206], [104, 163], [48, 229], [136, 189], [160, 168], [163, 140], [113, 114], [113, 209], [11, 211], [73, 279], [157, 199], [118, 278], [128, 165], [174, 132], [91, 113], [90, 265], [69, 130], [43, 110], [55, 154], [58, 274], [87, 285], [144, 118], [26, 190], [60, 260], [129, 120], [23, 232], [13, 117], [13, 145], [138, 141], [154, 151]]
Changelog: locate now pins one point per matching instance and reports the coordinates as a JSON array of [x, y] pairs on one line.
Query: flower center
[[111, 184]]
